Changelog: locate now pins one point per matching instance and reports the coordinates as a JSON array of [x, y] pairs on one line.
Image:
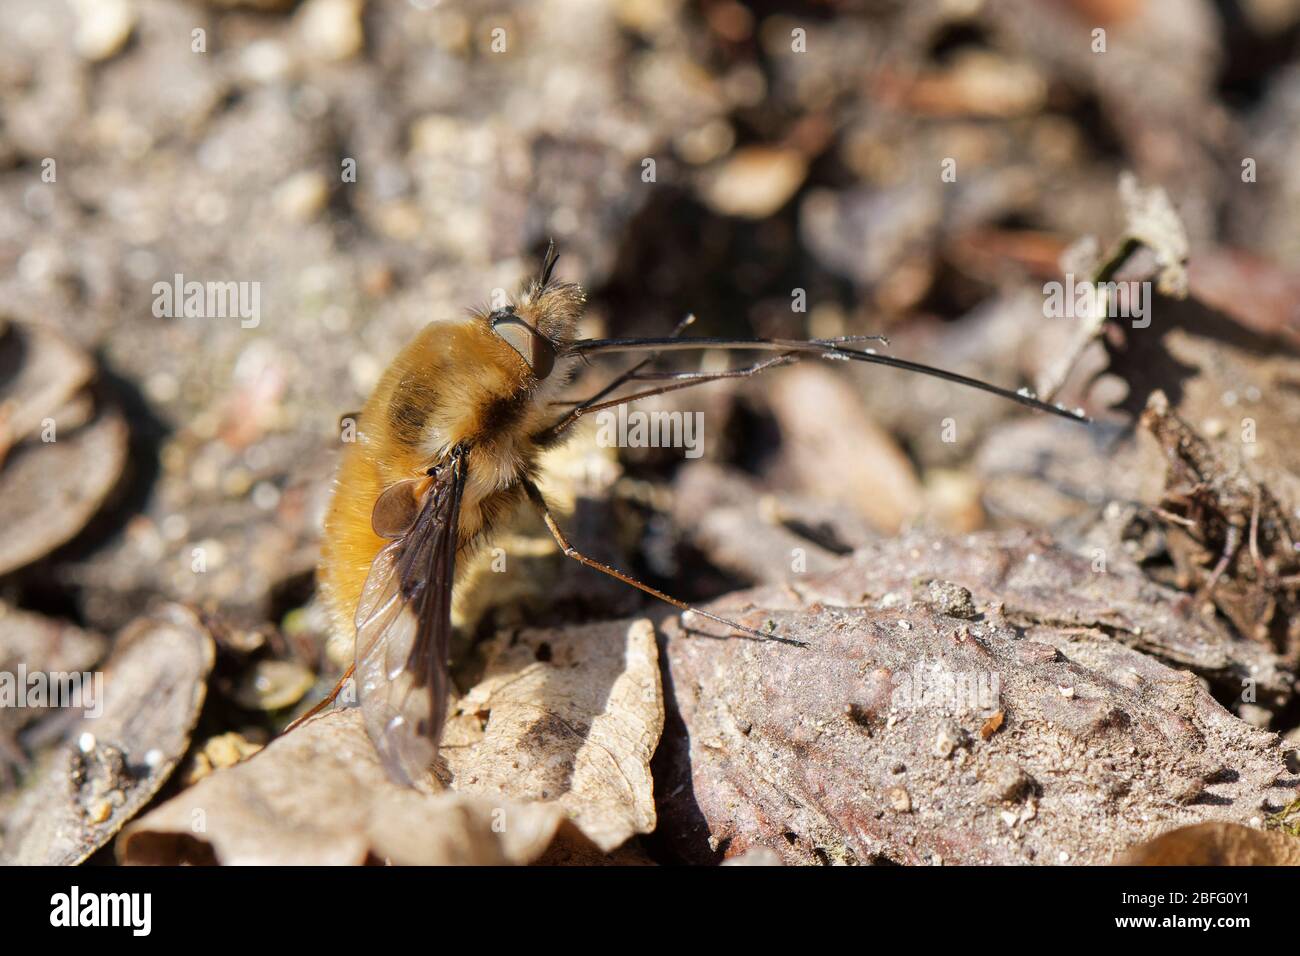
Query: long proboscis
[[825, 348]]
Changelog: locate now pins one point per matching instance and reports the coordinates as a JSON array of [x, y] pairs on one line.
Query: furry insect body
[[456, 383], [460, 386]]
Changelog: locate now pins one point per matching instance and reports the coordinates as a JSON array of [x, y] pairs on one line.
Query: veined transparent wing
[[404, 620]]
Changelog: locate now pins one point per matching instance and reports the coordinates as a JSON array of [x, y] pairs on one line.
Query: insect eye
[[533, 347]]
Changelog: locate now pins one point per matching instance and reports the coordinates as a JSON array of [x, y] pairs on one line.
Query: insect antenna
[[833, 349]]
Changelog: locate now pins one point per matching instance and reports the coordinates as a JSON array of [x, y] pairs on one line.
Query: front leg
[[539, 502], [551, 434]]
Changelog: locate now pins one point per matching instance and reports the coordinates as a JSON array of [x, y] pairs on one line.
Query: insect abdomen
[[454, 382]]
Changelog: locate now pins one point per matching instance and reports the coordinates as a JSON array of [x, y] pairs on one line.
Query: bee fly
[[448, 446]]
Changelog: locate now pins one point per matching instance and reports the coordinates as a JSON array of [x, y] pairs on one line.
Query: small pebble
[[302, 196], [754, 182], [103, 27], [100, 812], [330, 30]]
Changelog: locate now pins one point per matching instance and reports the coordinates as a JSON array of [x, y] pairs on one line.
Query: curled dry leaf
[[49, 491], [111, 764], [32, 644], [1152, 221], [59, 461], [1151, 224], [560, 728], [40, 372], [566, 717], [809, 752], [1215, 844], [320, 796]]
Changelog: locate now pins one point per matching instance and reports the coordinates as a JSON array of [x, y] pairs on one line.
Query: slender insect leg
[[327, 699], [539, 502], [583, 406], [679, 380], [682, 380], [631, 373], [634, 372]]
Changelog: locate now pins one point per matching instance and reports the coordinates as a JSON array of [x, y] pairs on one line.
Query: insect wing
[[404, 630]]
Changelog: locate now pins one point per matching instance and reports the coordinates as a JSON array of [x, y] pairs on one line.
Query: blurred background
[[775, 168]]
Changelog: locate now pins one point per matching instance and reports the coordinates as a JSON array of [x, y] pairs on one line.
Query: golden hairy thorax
[[456, 382]]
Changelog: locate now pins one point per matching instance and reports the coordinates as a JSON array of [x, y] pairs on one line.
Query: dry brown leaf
[[1215, 844], [822, 420], [866, 744], [320, 796], [111, 765], [40, 372], [1151, 219], [567, 717], [561, 727], [31, 644], [48, 491]]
